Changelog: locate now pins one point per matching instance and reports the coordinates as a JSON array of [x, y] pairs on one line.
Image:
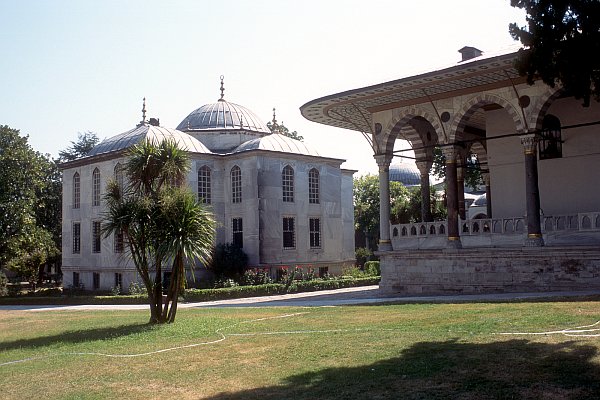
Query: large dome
[[406, 173], [277, 142], [223, 115], [153, 133]]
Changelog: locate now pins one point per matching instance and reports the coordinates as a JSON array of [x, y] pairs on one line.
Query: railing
[[551, 225]]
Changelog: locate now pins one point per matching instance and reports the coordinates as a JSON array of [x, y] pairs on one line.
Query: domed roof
[[155, 134], [223, 115], [277, 142], [406, 173]]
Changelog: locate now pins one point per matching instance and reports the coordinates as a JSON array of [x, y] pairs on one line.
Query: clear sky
[[82, 65]]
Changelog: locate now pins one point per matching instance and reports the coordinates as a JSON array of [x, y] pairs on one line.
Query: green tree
[[25, 241], [366, 205], [281, 128], [562, 43], [79, 148], [473, 176], [161, 222]]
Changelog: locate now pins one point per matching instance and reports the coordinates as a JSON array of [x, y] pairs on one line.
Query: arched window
[[76, 190], [236, 184], [204, 189], [550, 143], [96, 187], [120, 176], [313, 186], [287, 184]]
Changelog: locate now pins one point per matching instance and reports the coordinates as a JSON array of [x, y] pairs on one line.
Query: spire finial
[[274, 124], [222, 89], [143, 112]]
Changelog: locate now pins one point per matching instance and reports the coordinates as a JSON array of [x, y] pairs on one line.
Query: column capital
[[424, 166], [451, 153], [383, 161], [529, 141]]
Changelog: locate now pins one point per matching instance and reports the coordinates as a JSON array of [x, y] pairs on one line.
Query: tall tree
[[79, 148], [562, 41], [161, 222], [26, 242]]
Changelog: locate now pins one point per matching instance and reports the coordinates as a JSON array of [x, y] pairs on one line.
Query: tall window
[[550, 143], [96, 187], [96, 236], [289, 233], [96, 281], [204, 192], [76, 279], [314, 225], [313, 186], [120, 177], [236, 184], [119, 241], [237, 231], [118, 280], [76, 190], [76, 237], [287, 184]]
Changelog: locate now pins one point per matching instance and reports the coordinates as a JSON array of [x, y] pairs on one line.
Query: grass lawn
[[417, 351]]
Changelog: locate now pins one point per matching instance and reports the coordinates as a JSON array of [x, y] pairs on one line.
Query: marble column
[[424, 167], [452, 197], [460, 186], [488, 194], [532, 192], [383, 162]]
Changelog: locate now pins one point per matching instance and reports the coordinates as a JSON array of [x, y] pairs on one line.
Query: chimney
[[154, 121], [469, 52]]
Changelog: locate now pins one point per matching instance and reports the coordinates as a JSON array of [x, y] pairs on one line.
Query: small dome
[[223, 115], [406, 173], [155, 134], [277, 142]]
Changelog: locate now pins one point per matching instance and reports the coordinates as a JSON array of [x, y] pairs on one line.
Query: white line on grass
[[578, 331]]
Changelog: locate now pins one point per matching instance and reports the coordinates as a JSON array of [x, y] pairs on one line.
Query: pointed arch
[[96, 187], [404, 124], [236, 184], [76, 190], [204, 185], [287, 184]]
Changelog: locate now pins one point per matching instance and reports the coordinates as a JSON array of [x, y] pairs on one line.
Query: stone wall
[[490, 270]]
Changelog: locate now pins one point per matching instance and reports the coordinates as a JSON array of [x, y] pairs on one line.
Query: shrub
[[353, 272], [116, 290], [136, 288], [362, 255], [228, 261], [371, 268], [225, 283], [256, 277], [3, 285]]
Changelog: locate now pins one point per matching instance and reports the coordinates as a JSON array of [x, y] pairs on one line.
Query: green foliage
[[281, 128], [3, 285], [362, 256], [29, 206], [115, 290], [135, 288], [79, 148], [473, 176], [228, 261], [562, 38], [256, 276], [372, 268], [161, 222]]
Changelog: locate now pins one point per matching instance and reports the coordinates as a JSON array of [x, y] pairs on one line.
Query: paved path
[[348, 296]]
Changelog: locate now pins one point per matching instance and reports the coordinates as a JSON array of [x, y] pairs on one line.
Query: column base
[[534, 240], [454, 243], [384, 245]]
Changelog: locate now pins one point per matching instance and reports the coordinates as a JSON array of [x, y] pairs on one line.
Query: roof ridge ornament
[[143, 121], [275, 125], [222, 89]]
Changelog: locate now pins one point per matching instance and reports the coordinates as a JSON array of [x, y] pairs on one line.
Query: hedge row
[[193, 295]]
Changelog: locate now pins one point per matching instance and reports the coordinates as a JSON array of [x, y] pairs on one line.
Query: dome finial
[[274, 124], [143, 121], [222, 89]]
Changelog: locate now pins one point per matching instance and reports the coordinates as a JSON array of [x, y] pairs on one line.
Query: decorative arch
[[287, 184], [540, 109], [479, 149], [402, 117], [471, 106], [236, 184], [96, 187]]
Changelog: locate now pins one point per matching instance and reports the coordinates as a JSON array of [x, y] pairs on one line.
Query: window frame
[[287, 184], [205, 184], [76, 190], [236, 184], [314, 233], [96, 237], [95, 280], [289, 232], [96, 187], [119, 242], [76, 236], [314, 186], [237, 232]]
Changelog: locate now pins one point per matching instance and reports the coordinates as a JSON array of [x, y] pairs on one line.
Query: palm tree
[[160, 221]]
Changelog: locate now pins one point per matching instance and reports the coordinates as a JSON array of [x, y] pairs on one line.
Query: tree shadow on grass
[[76, 336], [515, 369]]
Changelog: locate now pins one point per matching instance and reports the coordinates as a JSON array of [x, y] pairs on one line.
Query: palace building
[[273, 196], [540, 153]]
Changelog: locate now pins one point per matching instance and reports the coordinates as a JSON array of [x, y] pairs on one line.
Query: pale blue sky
[[73, 66]]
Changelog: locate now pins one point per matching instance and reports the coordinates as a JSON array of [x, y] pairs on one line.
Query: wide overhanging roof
[[353, 109]]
